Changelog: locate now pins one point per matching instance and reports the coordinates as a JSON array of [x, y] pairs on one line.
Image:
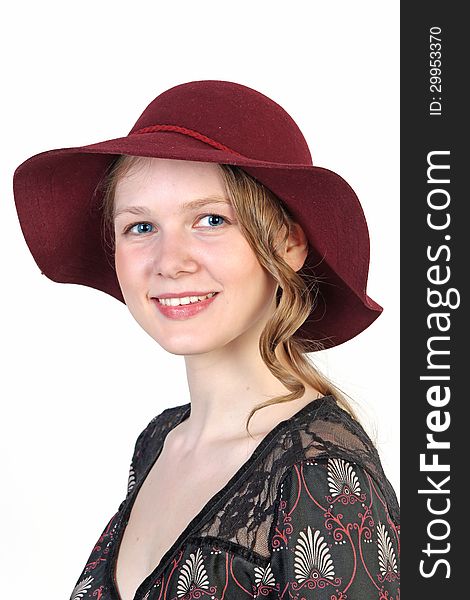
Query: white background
[[80, 379]]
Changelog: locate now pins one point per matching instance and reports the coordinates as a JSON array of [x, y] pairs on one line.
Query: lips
[[184, 311]]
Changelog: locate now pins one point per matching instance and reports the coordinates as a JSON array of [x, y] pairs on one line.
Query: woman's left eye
[[214, 220], [139, 226]]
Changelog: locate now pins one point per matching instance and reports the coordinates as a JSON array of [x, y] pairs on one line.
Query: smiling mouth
[[184, 300]]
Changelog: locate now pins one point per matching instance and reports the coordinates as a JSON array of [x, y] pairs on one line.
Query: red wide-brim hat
[[58, 197]]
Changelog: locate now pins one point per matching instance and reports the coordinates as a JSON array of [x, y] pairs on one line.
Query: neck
[[225, 385]]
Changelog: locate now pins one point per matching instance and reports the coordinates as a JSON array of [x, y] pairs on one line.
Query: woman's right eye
[[142, 227]]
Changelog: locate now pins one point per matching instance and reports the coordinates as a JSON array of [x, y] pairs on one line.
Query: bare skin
[[178, 486], [179, 251]]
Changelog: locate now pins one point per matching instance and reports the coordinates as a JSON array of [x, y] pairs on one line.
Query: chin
[[182, 346]]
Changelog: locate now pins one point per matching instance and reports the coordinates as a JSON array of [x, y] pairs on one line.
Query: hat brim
[[57, 201]]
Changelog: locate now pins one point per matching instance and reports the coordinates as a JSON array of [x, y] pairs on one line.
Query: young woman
[[229, 248]]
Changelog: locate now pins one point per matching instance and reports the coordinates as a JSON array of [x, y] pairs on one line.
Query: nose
[[173, 254]]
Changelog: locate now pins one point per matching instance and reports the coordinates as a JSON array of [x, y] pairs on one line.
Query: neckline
[[207, 510]]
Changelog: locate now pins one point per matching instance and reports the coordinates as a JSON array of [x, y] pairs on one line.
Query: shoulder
[[333, 485], [333, 531], [328, 440], [160, 425], [150, 438], [330, 427]]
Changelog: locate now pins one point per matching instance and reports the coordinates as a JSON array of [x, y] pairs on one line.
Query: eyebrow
[[187, 206]]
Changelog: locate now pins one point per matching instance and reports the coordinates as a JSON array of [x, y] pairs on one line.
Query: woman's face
[[177, 234]]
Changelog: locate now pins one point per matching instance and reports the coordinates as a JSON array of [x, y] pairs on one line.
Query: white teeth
[[185, 300]]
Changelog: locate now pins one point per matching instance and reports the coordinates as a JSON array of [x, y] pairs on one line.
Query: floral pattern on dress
[[192, 578], [334, 538], [331, 537], [81, 589]]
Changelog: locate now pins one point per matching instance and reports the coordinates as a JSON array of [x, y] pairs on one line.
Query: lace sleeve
[[136, 461], [148, 442], [332, 536]]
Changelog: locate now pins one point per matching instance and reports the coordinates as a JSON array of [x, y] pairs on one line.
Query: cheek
[[128, 268], [241, 271]]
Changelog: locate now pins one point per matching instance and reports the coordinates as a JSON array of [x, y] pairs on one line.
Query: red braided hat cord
[[194, 134]]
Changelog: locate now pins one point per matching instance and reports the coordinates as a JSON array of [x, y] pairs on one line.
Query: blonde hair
[[263, 219]]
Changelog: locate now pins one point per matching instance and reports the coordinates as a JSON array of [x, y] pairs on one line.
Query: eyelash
[[132, 225]]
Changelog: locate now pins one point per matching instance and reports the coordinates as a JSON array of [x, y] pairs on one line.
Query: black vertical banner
[[435, 249]]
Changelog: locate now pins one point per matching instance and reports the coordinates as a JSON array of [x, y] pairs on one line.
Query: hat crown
[[231, 114]]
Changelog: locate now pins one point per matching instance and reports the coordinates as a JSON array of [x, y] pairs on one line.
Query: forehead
[[165, 175], [175, 186]]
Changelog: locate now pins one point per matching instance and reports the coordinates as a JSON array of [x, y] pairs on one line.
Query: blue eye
[[216, 218], [143, 227], [138, 225]]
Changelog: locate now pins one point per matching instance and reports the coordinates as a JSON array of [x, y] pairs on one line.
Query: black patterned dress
[[309, 515]]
